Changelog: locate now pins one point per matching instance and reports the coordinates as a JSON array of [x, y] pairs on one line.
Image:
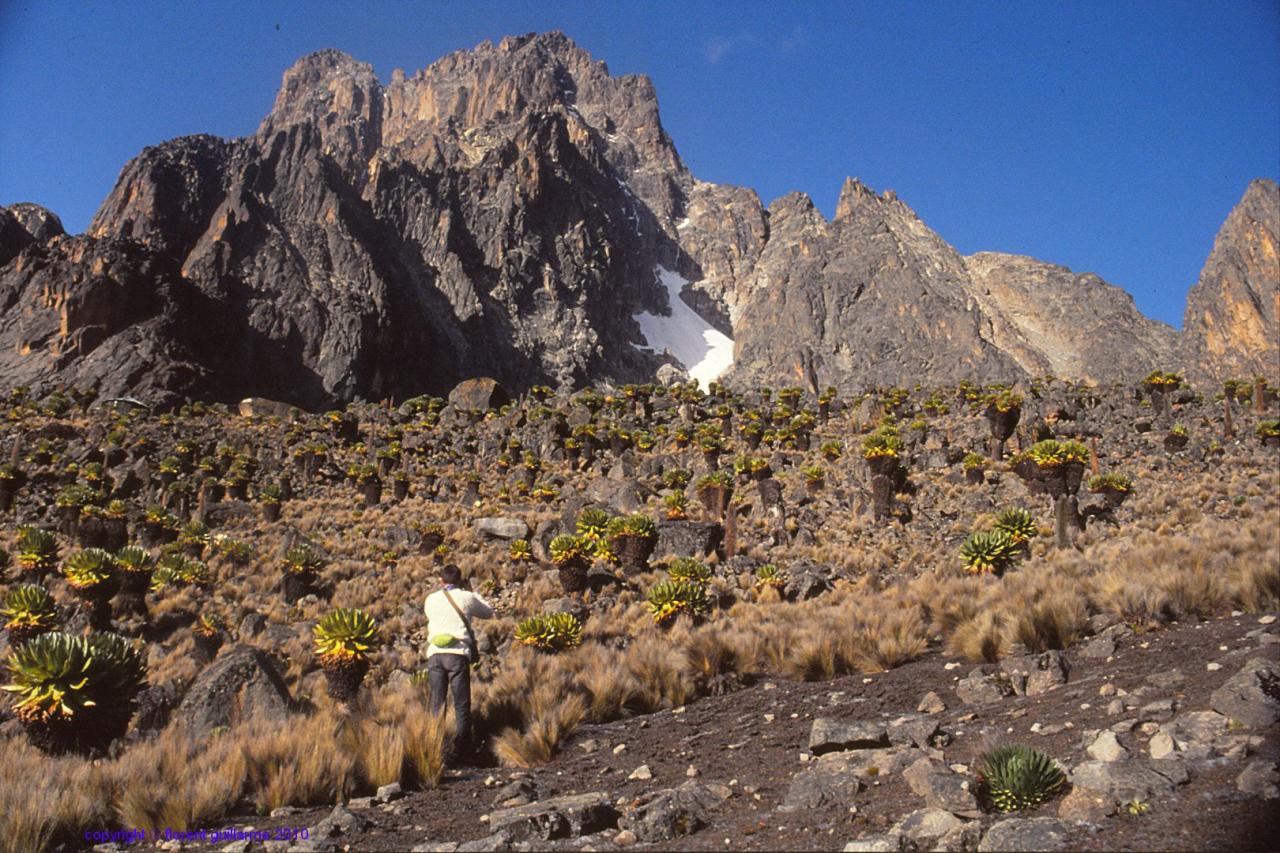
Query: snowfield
[[704, 352]]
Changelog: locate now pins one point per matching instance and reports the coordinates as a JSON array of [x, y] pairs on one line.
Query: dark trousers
[[452, 674]]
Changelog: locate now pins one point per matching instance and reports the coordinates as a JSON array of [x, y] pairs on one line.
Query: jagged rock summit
[[1232, 324], [515, 211]]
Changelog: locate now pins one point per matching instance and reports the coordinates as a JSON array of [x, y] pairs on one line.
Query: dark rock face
[[241, 684], [505, 213], [106, 314], [1232, 325]]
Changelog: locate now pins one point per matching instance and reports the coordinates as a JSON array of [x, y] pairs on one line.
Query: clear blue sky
[[1111, 137]]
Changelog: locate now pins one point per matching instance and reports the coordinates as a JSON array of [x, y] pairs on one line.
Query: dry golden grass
[[534, 744]]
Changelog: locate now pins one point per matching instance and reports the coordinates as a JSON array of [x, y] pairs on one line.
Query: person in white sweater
[[450, 610]]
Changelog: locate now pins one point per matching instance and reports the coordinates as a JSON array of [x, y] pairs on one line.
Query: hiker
[[452, 649]]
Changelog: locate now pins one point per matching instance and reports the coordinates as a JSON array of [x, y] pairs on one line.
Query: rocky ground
[[1169, 737]]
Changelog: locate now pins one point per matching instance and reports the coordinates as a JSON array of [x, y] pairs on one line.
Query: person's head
[[451, 575]]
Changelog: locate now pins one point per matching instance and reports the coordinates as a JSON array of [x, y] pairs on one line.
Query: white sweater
[[443, 619]]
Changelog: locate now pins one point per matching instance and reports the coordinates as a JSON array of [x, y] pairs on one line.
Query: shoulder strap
[[466, 623]]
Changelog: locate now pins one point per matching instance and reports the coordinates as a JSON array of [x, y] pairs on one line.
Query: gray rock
[[261, 407], [687, 539], [675, 812], [978, 688], [517, 792], [1196, 731], [1252, 695], [804, 584], [388, 793], [1036, 674], [1260, 778], [1027, 834], [1098, 648], [478, 395], [925, 826], [1162, 746], [828, 783], [241, 684], [914, 730], [340, 822], [1082, 804], [931, 704], [1106, 747], [1138, 778], [559, 817], [941, 788], [829, 735], [501, 527]]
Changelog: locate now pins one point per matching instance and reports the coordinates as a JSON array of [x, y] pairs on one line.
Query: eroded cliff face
[[1232, 324], [1056, 322], [508, 211]]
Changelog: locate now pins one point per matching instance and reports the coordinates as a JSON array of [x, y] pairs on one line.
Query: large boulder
[[667, 815], [1137, 778], [1027, 833], [1252, 695], [241, 684], [829, 735], [829, 784], [478, 395], [942, 789], [501, 527], [558, 817], [687, 539]]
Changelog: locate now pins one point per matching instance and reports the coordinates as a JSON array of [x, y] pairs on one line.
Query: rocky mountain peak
[[1232, 321], [515, 211], [853, 194]]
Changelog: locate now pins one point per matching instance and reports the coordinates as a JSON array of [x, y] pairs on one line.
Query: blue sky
[[1111, 137]]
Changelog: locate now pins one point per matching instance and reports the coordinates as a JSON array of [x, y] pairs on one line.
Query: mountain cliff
[[516, 211], [1232, 324]]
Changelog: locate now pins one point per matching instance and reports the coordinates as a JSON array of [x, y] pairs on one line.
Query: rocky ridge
[[505, 212]]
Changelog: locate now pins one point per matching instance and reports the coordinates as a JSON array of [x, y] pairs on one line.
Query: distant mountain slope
[[509, 211]]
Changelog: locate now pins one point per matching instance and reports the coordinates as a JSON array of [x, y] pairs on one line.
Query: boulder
[[1027, 834], [926, 826], [501, 527], [914, 730], [829, 735], [830, 783], [478, 395], [942, 789], [687, 539], [1082, 804], [804, 583], [241, 684], [619, 496], [1252, 695], [981, 689], [261, 407], [1106, 747], [1260, 778], [670, 814], [558, 817], [1138, 778]]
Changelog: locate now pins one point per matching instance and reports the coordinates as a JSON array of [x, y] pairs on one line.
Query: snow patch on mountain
[[702, 350]]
